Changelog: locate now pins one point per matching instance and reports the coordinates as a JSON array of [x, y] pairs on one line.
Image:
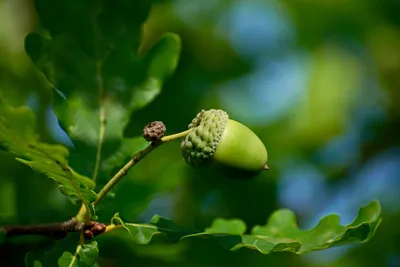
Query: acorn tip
[[266, 167]]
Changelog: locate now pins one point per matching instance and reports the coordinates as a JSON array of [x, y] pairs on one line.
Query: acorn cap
[[216, 139], [200, 144]]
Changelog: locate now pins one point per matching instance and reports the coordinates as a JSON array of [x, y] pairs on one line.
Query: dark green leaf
[[140, 233], [67, 259], [127, 148], [279, 234], [87, 257], [89, 54], [88, 254], [17, 135], [131, 199], [162, 60], [30, 260], [87, 194]]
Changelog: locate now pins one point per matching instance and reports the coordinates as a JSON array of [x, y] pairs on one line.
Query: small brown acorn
[[216, 140], [154, 130]]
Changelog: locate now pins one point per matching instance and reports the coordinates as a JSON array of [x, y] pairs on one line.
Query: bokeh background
[[318, 81]]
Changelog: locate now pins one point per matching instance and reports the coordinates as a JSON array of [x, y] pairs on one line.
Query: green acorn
[[216, 140]]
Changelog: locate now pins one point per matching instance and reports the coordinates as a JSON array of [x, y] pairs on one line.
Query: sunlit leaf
[[162, 61], [230, 227], [163, 57], [17, 135], [87, 257], [279, 234]]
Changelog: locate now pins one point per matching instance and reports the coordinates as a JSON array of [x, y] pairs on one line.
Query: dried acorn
[[154, 130], [216, 140]]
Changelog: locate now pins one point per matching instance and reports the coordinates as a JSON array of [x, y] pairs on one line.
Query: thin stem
[[111, 227], [124, 170], [78, 249], [135, 159], [85, 204], [102, 119], [82, 214], [175, 136]]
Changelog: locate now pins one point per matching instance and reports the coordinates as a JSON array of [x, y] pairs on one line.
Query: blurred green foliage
[[317, 81]]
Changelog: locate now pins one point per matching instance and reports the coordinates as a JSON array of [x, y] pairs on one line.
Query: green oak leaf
[[89, 54], [162, 58], [279, 234], [88, 194], [87, 257], [18, 136], [231, 227], [143, 233], [140, 233], [81, 112]]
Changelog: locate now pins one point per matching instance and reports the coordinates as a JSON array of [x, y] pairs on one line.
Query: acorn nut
[[217, 140]]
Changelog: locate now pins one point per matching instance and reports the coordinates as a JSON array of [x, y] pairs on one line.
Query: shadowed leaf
[[30, 260], [100, 79], [17, 135], [128, 147]]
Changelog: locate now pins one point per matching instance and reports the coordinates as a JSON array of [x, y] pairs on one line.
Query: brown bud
[[88, 234], [90, 224], [153, 131], [98, 228]]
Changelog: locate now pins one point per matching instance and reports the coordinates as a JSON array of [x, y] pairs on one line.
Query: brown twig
[[56, 230]]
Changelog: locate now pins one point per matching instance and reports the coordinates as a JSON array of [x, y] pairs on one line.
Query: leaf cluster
[[92, 55]]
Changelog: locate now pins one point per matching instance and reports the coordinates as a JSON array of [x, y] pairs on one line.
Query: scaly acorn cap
[[216, 139]]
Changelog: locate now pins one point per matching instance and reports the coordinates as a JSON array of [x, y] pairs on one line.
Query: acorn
[[216, 140], [154, 130]]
